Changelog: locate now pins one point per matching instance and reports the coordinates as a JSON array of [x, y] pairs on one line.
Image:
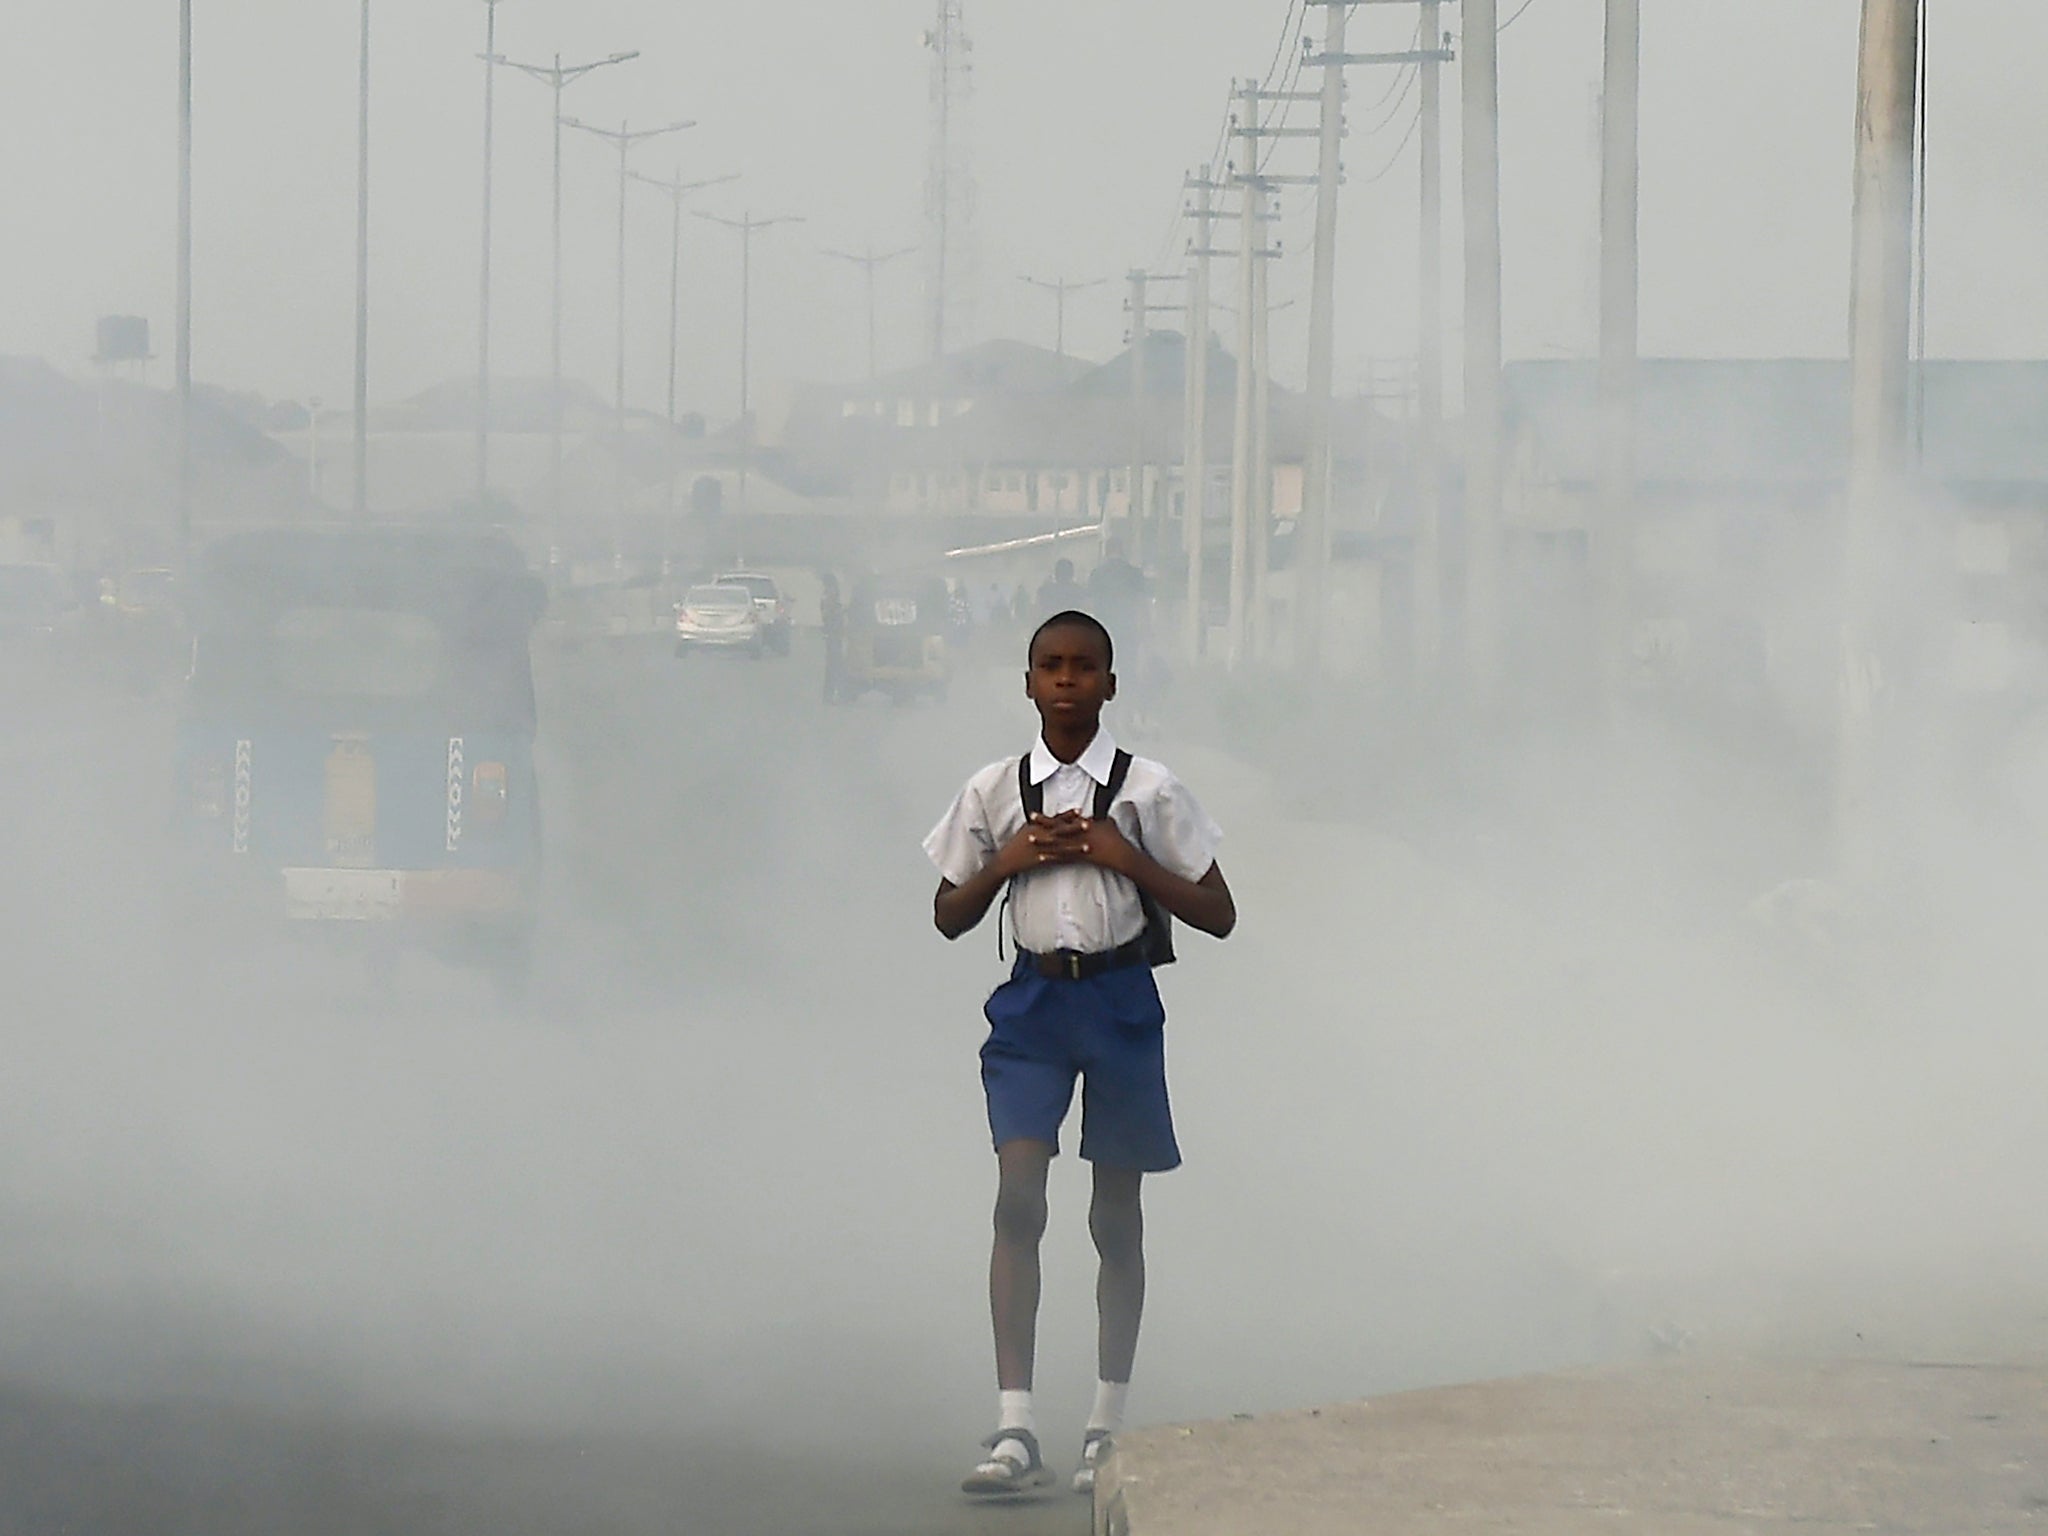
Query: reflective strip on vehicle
[[244, 794], [455, 789]]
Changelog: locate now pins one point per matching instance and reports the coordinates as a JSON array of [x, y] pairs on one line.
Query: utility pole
[[1060, 287], [1613, 539], [1248, 499], [1482, 344], [746, 225], [1312, 538], [1195, 438], [949, 183], [556, 76], [1134, 512], [1249, 234], [1261, 638], [1427, 574], [483, 328], [361, 497], [677, 189], [184, 322], [624, 137], [869, 263], [1880, 332], [1144, 539]]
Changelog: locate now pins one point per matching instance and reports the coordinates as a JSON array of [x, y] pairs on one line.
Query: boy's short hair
[[1075, 617]]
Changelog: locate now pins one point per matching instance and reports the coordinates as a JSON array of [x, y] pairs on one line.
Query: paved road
[[698, 1242], [696, 1245]]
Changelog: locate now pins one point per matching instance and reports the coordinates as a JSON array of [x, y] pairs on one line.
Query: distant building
[[1741, 470], [89, 468], [1022, 440]]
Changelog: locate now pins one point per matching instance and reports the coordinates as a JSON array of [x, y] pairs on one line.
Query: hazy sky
[[1087, 113]]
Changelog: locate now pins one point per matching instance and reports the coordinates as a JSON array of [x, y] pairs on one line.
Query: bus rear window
[[357, 653]]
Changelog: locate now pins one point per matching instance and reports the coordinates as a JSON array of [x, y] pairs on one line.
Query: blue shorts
[[1110, 1031]]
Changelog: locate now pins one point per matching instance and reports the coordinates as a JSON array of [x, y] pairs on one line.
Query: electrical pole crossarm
[[1405, 56]]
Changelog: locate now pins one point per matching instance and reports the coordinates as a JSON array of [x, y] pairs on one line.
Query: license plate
[[343, 895], [896, 610]]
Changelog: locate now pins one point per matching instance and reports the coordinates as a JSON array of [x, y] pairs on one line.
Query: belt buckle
[[1074, 966]]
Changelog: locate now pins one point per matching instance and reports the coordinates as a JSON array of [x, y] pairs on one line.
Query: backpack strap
[[1033, 798], [1105, 794]]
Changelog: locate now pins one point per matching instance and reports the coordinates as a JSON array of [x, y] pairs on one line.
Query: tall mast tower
[[949, 193]]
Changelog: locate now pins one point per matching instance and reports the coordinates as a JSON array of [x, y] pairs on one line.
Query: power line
[[1409, 77], [1294, 23], [1393, 85], [1519, 13], [1400, 149]]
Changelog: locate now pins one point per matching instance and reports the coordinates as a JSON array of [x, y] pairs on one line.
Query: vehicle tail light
[[490, 789]]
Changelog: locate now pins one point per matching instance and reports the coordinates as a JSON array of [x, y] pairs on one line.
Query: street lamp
[[746, 225], [625, 137], [184, 323], [677, 189], [1060, 287], [483, 328], [556, 76], [361, 498], [869, 262]]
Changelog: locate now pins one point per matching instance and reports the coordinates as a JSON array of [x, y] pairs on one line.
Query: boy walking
[[1096, 851]]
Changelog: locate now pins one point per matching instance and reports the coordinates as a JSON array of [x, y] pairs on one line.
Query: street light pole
[[558, 75], [361, 498], [869, 262], [1880, 437], [625, 137], [1060, 287], [746, 225], [677, 189], [483, 345], [184, 322]]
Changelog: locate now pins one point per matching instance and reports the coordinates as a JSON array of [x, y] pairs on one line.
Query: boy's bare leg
[[1116, 1220], [1013, 1266]]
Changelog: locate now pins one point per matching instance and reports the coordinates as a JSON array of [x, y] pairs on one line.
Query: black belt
[[1077, 965]]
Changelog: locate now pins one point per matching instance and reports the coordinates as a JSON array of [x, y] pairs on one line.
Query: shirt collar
[[1097, 762]]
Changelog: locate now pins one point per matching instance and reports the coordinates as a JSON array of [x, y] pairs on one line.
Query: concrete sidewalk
[[1691, 1446]]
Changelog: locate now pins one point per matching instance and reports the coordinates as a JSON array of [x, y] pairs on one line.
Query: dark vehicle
[[896, 639], [357, 744]]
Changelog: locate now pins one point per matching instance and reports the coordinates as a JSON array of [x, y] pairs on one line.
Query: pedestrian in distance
[[1062, 592], [1095, 852]]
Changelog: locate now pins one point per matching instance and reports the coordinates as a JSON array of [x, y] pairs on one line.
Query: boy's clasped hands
[[1068, 838]]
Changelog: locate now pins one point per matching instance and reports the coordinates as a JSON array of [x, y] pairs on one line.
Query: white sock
[[1110, 1397], [1013, 1411]]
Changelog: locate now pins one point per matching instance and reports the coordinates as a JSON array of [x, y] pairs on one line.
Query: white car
[[719, 616], [778, 615]]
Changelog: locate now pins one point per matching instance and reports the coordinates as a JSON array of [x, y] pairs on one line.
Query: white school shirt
[[1075, 906]]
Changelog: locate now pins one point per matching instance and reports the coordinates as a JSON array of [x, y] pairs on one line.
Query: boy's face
[[1069, 677]]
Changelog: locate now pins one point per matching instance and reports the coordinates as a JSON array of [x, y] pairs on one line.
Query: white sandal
[[1000, 1474], [1094, 1451]]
